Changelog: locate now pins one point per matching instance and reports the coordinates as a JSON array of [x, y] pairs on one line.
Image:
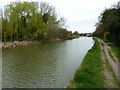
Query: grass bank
[[116, 50], [89, 74]]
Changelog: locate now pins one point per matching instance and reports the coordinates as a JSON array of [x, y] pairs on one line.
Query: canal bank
[[10, 44], [95, 71], [88, 75], [6, 45]]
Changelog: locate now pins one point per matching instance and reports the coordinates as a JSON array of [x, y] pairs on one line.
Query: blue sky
[[80, 15]]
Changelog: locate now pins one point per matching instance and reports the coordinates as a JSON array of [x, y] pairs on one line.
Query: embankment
[[6, 45], [89, 74]]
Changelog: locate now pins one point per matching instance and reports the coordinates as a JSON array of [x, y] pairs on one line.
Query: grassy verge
[[109, 51], [109, 68], [116, 50], [89, 75]]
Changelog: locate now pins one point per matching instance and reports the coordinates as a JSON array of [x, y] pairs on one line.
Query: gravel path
[[105, 56], [113, 64]]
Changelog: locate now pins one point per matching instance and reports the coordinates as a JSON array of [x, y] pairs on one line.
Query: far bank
[[10, 44]]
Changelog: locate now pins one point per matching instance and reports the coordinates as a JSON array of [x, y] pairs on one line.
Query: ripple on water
[[43, 66]]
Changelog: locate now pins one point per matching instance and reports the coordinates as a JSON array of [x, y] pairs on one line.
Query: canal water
[[49, 65]]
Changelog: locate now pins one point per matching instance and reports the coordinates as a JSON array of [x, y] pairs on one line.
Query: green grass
[[109, 51], [116, 50], [89, 74], [109, 68]]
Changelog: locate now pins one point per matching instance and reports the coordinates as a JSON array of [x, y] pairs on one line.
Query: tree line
[[32, 21], [108, 26]]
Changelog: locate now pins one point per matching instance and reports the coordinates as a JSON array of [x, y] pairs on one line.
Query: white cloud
[[81, 15]]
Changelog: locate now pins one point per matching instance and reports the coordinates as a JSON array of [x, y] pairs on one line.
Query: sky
[[80, 15]]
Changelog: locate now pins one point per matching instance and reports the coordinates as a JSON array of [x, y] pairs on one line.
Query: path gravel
[[113, 64], [105, 50]]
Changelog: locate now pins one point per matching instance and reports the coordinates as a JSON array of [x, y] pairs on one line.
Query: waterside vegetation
[[108, 26], [89, 74], [33, 21]]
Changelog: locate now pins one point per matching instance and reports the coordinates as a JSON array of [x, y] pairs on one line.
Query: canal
[[49, 65]]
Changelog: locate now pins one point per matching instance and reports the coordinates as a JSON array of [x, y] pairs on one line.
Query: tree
[[76, 33], [110, 23], [31, 21]]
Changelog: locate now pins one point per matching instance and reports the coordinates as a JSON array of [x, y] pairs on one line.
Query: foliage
[[107, 36], [31, 21], [76, 33], [109, 22], [116, 50]]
